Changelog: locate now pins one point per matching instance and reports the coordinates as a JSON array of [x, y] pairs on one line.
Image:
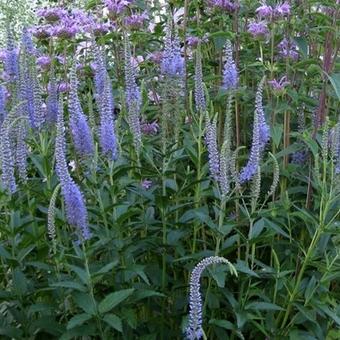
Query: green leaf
[[114, 299], [146, 293], [69, 284], [85, 302], [78, 320], [222, 323], [114, 321], [257, 228], [242, 267], [263, 306], [335, 81], [81, 274]]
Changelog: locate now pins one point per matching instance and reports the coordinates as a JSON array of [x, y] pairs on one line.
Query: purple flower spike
[[81, 132], [260, 137], [213, 154], [199, 85], [74, 201], [194, 330], [172, 64], [7, 159], [230, 74]]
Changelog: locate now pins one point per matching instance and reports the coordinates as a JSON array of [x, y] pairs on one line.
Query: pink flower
[[279, 86], [258, 29], [146, 184]]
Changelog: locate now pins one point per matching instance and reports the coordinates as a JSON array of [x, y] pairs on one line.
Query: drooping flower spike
[[194, 330]]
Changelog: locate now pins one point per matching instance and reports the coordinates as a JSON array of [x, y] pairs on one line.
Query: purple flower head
[[223, 5], [116, 7], [81, 132], [282, 10], [44, 62], [63, 87], [156, 57], [194, 330], [264, 11], [51, 14], [146, 184], [193, 41], [100, 28], [42, 31], [258, 29], [288, 49], [279, 85], [200, 100], [299, 157], [74, 201], [135, 21], [230, 74], [172, 64], [260, 137], [65, 30], [150, 128]]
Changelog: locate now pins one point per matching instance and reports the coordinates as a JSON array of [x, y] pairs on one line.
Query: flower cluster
[[150, 128], [288, 49], [279, 85], [281, 10], [116, 7], [194, 330], [135, 21], [226, 5], [258, 29], [65, 24]]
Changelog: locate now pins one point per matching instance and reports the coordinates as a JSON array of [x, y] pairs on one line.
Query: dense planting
[[170, 170]]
